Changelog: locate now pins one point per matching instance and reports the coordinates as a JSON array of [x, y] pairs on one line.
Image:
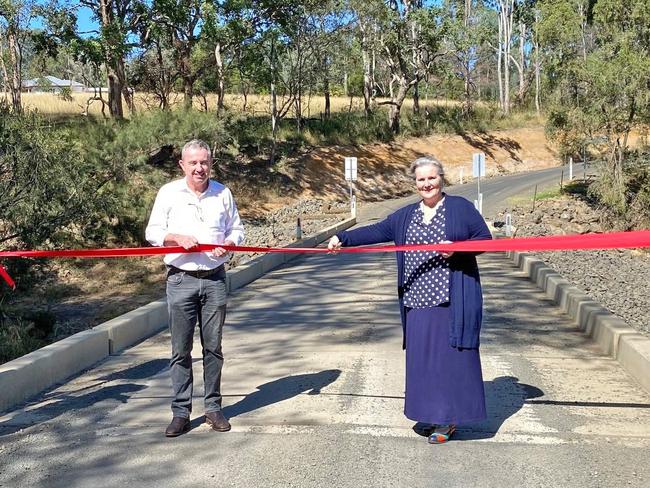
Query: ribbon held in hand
[[611, 240]]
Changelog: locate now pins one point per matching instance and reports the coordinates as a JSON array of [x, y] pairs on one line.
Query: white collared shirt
[[211, 218]]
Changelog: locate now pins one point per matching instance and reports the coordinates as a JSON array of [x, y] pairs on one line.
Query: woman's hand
[[334, 244], [446, 254]]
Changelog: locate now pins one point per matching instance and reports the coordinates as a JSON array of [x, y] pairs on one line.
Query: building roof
[[45, 81]]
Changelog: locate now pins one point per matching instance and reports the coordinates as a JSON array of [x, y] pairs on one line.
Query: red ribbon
[[611, 240]]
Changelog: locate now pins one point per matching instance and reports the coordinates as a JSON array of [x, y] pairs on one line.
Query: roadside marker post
[[351, 176], [508, 225], [461, 174], [570, 168], [478, 170]]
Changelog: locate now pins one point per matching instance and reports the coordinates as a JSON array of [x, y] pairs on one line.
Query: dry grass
[[55, 105]]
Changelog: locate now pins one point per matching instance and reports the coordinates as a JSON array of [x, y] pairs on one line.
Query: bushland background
[[282, 90]]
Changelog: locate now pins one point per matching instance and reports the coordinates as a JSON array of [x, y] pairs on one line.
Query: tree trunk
[[409, 6], [274, 106], [114, 94], [396, 106], [326, 89], [220, 78], [367, 77], [15, 58], [467, 85], [500, 63], [506, 12], [114, 79], [164, 87], [521, 94], [125, 90], [537, 70], [5, 75], [583, 29], [416, 97]]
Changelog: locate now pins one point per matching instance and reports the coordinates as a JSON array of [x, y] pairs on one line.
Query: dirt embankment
[[382, 167]]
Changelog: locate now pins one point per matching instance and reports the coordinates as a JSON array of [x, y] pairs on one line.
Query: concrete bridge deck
[[313, 384]]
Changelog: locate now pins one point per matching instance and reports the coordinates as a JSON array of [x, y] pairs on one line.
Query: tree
[[118, 20], [469, 29], [506, 11], [179, 21], [601, 89], [409, 57], [15, 17]]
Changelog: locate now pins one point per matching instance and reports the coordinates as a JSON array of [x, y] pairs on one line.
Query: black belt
[[198, 273]]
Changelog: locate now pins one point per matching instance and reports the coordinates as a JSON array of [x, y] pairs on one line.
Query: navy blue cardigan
[[462, 222]]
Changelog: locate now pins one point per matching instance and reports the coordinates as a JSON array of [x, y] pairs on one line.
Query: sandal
[[441, 434], [424, 429]]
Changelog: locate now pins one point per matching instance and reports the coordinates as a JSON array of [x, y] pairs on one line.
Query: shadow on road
[[56, 403], [282, 389], [504, 397]]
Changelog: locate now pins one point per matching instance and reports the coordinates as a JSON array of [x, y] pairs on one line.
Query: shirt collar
[[208, 190]]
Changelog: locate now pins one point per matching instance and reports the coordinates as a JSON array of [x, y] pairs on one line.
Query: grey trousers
[[192, 301]]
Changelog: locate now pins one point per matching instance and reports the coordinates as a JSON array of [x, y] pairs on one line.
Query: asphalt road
[[496, 190], [313, 385]]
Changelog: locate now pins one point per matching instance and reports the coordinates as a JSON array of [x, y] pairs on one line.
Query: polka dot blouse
[[426, 272]]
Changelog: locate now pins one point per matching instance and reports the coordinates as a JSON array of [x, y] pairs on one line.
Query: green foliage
[[65, 94], [46, 185], [19, 336], [630, 203]]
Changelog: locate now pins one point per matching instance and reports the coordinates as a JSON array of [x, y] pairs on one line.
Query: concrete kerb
[[40, 369], [614, 337], [29, 375]]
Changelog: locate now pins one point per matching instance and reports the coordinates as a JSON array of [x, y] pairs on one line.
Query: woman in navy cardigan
[[440, 303]]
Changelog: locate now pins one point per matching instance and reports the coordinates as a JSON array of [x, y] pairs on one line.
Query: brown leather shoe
[[178, 426], [217, 421]]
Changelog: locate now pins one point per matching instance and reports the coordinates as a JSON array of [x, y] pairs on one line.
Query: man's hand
[[334, 244], [218, 252], [186, 242]]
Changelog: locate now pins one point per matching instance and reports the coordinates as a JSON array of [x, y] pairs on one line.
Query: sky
[[85, 20]]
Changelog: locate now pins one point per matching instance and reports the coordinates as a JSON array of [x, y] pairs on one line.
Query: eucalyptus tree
[[506, 12], [411, 38], [179, 22], [15, 19], [602, 84], [469, 30], [369, 15], [525, 23], [118, 21], [331, 25]]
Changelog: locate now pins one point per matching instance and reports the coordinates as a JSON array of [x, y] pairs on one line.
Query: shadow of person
[[141, 371], [504, 397], [282, 389], [66, 403]]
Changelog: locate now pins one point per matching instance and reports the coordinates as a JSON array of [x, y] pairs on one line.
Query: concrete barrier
[[614, 337], [132, 327], [31, 374], [40, 369]]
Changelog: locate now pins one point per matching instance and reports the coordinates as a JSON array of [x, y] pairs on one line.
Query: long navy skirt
[[443, 384]]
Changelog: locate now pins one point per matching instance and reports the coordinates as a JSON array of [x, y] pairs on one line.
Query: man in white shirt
[[190, 211]]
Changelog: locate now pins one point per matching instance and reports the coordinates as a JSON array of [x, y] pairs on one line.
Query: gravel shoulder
[[618, 279]]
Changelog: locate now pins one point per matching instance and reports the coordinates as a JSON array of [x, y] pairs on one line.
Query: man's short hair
[[196, 144]]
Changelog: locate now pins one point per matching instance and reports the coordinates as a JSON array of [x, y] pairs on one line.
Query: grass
[[576, 187], [312, 107]]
